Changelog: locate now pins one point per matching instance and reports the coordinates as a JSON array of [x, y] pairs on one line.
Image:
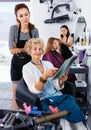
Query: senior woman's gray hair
[[31, 42]]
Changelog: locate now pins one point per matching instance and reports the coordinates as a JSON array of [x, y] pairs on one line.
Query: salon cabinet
[[81, 86]]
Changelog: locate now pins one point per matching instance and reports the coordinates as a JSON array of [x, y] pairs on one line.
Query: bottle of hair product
[[87, 36], [84, 36], [80, 40], [80, 56]]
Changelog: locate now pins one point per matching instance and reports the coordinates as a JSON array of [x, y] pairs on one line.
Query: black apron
[[19, 59], [65, 51]]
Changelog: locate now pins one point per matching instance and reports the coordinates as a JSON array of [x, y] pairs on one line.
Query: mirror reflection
[[81, 32]]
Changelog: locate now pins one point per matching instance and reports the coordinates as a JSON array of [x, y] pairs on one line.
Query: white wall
[[39, 13]]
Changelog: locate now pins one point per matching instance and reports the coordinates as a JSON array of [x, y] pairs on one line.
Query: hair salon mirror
[[81, 32]]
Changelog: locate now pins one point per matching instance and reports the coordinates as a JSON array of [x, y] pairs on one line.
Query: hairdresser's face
[[55, 44], [23, 16], [36, 51], [64, 31]]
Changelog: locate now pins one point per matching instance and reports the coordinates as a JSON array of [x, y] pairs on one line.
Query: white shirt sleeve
[[29, 78]]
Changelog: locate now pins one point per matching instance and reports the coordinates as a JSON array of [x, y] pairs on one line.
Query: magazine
[[65, 66]]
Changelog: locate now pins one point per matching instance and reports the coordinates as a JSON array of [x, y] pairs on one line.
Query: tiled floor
[[6, 90]]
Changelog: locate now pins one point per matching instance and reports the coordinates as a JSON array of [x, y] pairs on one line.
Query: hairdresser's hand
[[63, 39], [63, 78], [50, 73], [15, 50]]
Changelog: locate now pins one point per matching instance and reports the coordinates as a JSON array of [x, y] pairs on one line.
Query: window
[[7, 18]]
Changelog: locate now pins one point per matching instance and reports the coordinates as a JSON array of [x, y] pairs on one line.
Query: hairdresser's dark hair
[[66, 27], [19, 6]]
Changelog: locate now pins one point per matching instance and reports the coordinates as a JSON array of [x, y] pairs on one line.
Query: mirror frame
[[79, 30]]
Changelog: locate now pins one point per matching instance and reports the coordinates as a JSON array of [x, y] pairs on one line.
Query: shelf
[[81, 83], [77, 68], [80, 47], [81, 86]]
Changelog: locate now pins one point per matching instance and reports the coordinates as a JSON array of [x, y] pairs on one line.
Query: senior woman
[[38, 74]]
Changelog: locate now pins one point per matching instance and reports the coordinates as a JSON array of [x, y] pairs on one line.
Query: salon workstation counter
[[80, 47]]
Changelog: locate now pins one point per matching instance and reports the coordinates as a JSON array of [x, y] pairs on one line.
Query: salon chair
[[23, 95]]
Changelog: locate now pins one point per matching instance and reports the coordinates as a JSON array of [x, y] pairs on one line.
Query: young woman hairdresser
[[66, 42], [18, 35]]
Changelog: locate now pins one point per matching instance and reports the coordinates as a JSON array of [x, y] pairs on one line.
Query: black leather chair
[[69, 88], [24, 95]]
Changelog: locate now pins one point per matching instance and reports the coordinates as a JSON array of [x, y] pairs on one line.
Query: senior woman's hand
[[63, 78], [50, 72]]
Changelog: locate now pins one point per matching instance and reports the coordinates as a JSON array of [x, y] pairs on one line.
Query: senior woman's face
[[37, 50]]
